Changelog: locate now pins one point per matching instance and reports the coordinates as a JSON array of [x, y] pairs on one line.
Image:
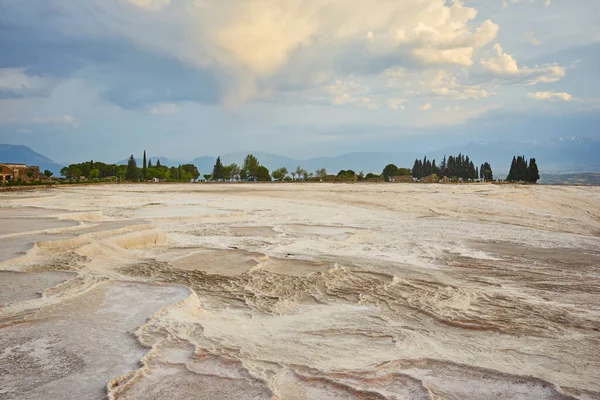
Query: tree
[[234, 169], [280, 173], [321, 173], [144, 166], [207, 177], [389, 171], [158, 163], [191, 170], [444, 167], [346, 175], [131, 173], [417, 169], [48, 173], [71, 172], [519, 170], [534, 173], [403, 171], [434, 168], [218, 170], [226, 173], [251, 165], [300, 172], [149, 163], [486, 172], [262, 174]]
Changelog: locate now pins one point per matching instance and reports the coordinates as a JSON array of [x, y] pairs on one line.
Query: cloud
[[150, 5], [434, 83], [530, 37], [550, 96], [505, 3], [425, 107], [67, 120], [461, 56], [503, 66], [247, 43], [396, 103], [15, 82], [163, 109], [350, 92]]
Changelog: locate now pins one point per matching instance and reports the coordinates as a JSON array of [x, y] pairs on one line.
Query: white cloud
[[150, 5], [17, 81], [530, 37], [461, 56], [451, 109], [434, 84], [425, 107], [505, 2], [550, 96], [396, 103], [503, 66], [67, 120], [246, 43], [351, 92], [163, 109]]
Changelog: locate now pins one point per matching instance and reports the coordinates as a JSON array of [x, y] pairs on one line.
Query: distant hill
[[367, 162], [24, 155], [573, 154]]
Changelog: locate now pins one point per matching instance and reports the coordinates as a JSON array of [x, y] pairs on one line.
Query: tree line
[[131, 172], [459, 167], [454, 167]]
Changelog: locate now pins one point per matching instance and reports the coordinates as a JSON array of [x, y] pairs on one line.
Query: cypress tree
[[149, 163], [443, 167], [415, 169], [218, 170], [512, 174], [158, 163], [131, 173], [534, 173], [144, 165], [451, 167]]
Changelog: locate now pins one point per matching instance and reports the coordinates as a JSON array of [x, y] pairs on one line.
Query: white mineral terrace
[[300, 291]]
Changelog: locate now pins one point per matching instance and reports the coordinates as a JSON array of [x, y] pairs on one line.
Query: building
[[14, 172]]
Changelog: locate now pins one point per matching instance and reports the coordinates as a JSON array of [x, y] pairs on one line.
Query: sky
[[304, 78]]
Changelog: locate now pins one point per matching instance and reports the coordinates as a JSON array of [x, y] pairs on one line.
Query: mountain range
[[19, 154], [563, 155]]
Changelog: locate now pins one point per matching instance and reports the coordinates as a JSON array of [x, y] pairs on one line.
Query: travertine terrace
[[300, 291]]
